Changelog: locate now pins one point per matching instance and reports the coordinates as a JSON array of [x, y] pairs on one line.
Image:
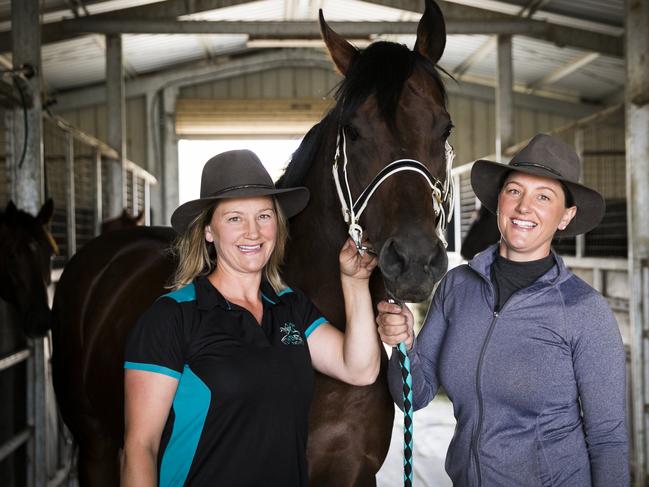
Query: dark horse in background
[[483, 231], [124, 220], [391, 105], [26, 247]]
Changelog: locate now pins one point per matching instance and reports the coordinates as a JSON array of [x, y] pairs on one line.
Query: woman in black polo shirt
[[219, 372]]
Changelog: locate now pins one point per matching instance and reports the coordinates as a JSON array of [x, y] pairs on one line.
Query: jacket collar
[[482, 262], [207, 296]]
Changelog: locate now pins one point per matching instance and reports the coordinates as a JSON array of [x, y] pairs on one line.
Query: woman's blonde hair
[[197, 257]]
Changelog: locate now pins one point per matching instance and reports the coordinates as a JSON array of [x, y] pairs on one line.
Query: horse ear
[[139, 218], [46, 212], [431, 33], [341, 51]]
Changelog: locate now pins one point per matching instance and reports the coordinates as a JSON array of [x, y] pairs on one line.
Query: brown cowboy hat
[[237, 174], [548, 157]]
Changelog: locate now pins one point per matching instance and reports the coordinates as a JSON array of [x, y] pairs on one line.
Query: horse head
[[26, 248], [391, 106]]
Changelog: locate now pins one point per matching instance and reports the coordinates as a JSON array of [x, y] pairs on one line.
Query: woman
[[219, 372], [529, 354]]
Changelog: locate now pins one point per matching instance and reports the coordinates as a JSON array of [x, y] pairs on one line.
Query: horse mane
[[381, 70]]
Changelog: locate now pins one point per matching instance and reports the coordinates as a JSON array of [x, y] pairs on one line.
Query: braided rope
[[404, 362]]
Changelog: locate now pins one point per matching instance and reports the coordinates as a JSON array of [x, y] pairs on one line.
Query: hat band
[[540, 166], [243, 186]]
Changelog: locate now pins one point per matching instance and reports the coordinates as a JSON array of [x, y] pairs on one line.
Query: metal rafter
[[294, 29], [563, 71], [169, 9], [561, 35]]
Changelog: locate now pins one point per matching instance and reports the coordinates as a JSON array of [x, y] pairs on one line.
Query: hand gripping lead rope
[[352, 210]]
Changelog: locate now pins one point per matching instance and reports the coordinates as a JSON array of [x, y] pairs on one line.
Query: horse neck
[[317, 235]]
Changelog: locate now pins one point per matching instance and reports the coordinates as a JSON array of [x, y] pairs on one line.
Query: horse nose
[[393, 258], [411, 266]]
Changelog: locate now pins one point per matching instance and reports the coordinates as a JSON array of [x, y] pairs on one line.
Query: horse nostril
[[432, 259], [392, 259]]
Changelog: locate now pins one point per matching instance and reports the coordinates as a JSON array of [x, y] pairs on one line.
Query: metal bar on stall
[[457, 214], [61, 476], [71, 224], [14, 359], [40, 420], [598, 280], [147, 203], [580, 240], [31, 419], [15, 442], [98, 190], [134, 192]]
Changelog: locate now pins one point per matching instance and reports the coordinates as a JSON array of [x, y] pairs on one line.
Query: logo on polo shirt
[[290, 334]]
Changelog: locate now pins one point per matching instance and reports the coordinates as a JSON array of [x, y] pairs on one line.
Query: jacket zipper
[[476, 438]]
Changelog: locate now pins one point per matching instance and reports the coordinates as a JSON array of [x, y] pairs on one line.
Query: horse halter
[[442, 192]]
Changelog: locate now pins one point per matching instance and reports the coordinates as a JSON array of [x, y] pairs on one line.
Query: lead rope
[[406, 376], [443, 208]]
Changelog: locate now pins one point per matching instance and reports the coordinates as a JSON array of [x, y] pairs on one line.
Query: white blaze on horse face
[[244, 233], [530, 210]]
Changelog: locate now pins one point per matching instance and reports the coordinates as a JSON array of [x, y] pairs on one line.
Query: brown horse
[[26, 247], [391, 105]]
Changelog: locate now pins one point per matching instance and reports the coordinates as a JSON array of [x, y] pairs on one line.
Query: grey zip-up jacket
[[516, 379]]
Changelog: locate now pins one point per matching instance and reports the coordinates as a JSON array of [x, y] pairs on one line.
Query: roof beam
[[168, 9], [476, 56], [224, 67], [564, 71], [460, 19], [295, 29], [558, 34]]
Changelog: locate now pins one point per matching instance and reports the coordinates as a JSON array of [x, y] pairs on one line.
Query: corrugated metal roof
[[80, 61]]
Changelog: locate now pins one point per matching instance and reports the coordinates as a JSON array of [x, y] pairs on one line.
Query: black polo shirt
[[240, 413]]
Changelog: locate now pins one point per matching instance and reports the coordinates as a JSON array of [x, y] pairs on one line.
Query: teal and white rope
[[404, 362]]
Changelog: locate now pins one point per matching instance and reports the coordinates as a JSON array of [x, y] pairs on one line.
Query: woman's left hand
[[355, 265]]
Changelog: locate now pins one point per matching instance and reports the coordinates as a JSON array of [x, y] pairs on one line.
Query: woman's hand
[[395, 324], [355, 265]]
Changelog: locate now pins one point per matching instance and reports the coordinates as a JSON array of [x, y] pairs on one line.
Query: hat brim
[[487, 178], [291, 200]]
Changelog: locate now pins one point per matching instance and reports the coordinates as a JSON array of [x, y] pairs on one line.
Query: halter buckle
[[356, 233]]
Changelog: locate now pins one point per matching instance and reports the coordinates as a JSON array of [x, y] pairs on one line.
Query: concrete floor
[[432, 432]]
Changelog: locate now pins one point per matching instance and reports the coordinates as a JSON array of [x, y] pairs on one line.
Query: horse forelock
[[382, 70]]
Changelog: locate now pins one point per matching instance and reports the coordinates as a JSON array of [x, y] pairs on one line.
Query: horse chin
[[37, 323], [410, 292]]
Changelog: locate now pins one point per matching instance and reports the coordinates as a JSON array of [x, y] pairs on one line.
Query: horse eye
[[351, 132]]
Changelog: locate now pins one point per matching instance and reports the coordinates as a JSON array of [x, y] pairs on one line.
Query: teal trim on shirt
[[285, 291], [186, 293], [191, 403], [266, 298], [312, 327], [158, 369]]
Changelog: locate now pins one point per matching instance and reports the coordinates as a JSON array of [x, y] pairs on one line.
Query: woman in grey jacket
[[529, 354]]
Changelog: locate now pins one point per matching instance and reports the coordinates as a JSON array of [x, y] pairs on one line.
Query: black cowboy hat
[[237, 174], [548, 157]]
